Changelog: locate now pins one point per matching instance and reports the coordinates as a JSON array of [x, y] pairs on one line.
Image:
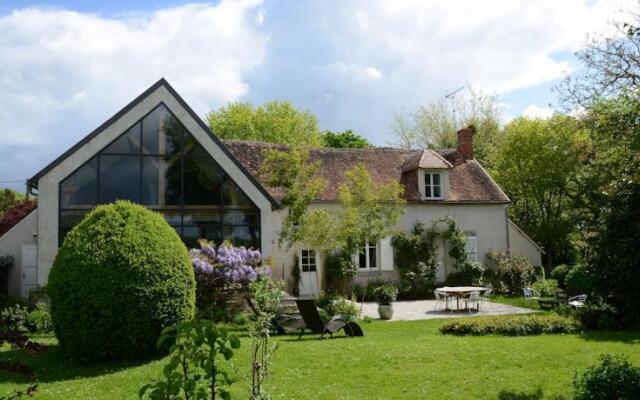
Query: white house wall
[[11, 243], [48, 185], [522, 245]]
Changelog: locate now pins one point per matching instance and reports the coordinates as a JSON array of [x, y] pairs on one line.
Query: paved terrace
[[425, 309]]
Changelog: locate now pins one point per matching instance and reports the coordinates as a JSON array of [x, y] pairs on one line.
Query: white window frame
[[430, 187], [471, 247], [308, 260], [368, 249]]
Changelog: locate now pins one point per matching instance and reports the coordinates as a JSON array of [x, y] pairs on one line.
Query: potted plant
[[385, 295]]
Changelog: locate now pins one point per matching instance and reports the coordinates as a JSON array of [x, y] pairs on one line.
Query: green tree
[[8, 199], [274, 122], [434, 126], [535, 163], [344, 140]]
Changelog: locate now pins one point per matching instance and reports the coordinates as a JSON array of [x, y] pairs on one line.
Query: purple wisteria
[[227, 262]]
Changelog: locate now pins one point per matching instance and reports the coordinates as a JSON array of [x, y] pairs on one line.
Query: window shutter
[[386, 254], [471, 248]]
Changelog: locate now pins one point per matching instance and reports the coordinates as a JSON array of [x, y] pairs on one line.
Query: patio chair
[[531, 294], [313, 321], [441, 298], [281, 323], [470, 298], [577, 301], [486, 295]]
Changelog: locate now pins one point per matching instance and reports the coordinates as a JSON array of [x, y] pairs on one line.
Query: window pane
[[427, 178], [427, 191], [241, 218], [80, 189], [372, 257], [202, 181], [436, 191], [362, 259], [119, 178], [436, 179], [160, 181], [69, 219], [193, 149], [127, 143], [161, 133], [247, 236], [202, 217], [233, 196]]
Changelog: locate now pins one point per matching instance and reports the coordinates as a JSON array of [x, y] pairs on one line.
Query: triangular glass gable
[[159, 164]]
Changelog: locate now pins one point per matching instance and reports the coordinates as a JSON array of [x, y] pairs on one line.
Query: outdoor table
[[548, 303], [460, 291]]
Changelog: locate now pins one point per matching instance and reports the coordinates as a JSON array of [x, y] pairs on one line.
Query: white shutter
[[386, 254], [471, 248]]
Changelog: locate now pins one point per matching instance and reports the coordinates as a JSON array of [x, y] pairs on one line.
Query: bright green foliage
[[344, 140], [8, 199], [512, 325], [267, 294], [535, 162], [416, 258], [385, 294], [613, 377], [339, 270], [293, 171], [508, 274], [274, 122], [546, 287], [121, 276], [193, 370]]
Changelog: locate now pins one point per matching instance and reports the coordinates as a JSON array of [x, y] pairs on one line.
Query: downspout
[[506, 219]]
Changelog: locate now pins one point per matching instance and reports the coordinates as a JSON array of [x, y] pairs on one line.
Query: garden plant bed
[[383, 364]]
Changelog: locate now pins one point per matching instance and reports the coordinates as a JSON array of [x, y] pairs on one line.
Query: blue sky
[[66, 66]]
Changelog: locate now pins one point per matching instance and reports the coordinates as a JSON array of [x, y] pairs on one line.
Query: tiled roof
[[468, 181], [427, 159]]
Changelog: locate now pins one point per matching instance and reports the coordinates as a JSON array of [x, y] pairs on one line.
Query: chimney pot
[[465, 143]]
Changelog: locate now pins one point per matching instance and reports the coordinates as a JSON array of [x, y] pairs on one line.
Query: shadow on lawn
[[53, 365], [627, 337], [535, 395]]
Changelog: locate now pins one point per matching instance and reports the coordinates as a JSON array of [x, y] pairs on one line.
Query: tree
[[8, 199], [274, 122], [535, 162], [433, 125], [344, 140]]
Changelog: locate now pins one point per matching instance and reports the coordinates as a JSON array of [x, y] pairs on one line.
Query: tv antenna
[[452, 96]]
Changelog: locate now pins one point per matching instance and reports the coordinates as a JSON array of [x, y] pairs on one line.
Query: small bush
[[386, 294], [613, 377], [559, 273], [546, 287], [598, 316], [14, 317], [122, 276], [508, 275], [339, 271], [39, 321], [347, 308], [512, 326]]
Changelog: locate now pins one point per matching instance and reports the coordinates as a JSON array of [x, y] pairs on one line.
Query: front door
[[308, 285], [29, 269]]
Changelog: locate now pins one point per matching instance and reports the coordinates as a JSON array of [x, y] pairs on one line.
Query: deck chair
[[315, 324], [281, 323]]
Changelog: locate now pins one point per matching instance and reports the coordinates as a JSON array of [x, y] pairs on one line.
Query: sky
[[67, 66]]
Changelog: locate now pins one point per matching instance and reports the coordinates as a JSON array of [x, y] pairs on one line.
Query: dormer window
[[432, 185]]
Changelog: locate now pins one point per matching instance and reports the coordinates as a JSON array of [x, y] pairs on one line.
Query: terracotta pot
[[385, 311]]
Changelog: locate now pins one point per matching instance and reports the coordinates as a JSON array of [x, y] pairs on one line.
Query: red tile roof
[[468, 181]]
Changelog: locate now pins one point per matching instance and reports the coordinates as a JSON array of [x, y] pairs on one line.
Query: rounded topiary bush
[[121, 276]]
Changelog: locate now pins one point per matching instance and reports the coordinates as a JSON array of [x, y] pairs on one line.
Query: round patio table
[[460, 291]]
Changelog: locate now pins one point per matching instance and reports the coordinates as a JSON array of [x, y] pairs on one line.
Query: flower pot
[[385, 311]]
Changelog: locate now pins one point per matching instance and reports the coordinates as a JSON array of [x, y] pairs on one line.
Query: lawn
[[409, 360]]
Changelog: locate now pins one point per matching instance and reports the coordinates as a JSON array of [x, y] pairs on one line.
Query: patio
[[424, 309]]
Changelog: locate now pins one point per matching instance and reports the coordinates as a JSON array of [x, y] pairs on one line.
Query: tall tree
[[344, 140], [535, 162], [274, 122], [434, 126]]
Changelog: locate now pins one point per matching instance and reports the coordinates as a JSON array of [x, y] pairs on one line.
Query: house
[[157, 152]]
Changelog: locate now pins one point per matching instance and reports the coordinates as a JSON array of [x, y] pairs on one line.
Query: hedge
[[516, 325], [122, 275]]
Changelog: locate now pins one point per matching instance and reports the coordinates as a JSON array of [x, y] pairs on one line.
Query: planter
[[385, 311]]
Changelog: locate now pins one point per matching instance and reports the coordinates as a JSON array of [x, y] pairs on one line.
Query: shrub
[[39, 321], [471, 273], [507, 274], [386, 294], [559, 273], [416, 258], [611, 378], [512, 326], [347, 308], [598, 316], [332, 304], [223, 275], [16, 214], [14, 317], [365, 293], [546, 287], [577, 280], [121, 276]]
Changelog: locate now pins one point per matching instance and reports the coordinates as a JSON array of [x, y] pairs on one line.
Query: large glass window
[[159, 164], [432, 186]]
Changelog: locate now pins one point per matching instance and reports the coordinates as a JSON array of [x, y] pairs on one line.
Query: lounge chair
[[281, 323], [313, 321], [577, 301]]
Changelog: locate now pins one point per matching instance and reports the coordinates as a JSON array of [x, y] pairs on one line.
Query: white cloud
[[62, 69], [535, 111]]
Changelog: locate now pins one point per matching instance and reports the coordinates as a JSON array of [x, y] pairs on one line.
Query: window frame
[[181, 209], [369, 249], [431, 185], [471, 255], [311, 255]]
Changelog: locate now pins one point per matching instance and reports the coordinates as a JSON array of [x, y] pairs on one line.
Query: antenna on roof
[[452, 96]]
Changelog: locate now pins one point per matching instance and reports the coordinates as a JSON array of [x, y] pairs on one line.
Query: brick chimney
[[465, 142]]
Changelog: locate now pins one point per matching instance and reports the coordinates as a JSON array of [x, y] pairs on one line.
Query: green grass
[[516, 301], [408, 360]]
